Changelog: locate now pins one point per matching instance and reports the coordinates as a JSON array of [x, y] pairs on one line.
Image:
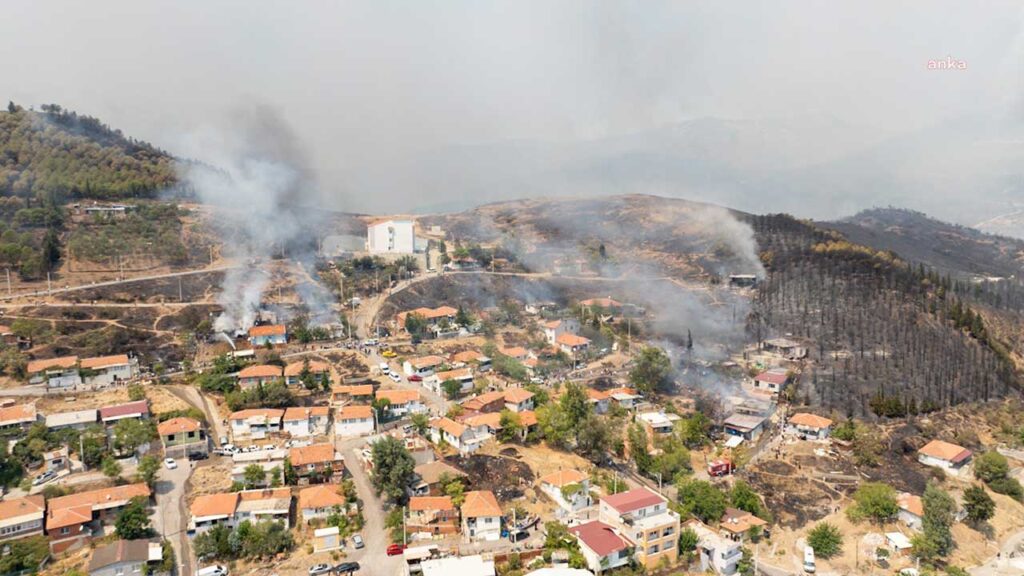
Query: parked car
[[809, 560], [415, 378], [197, 456], [346, 567], [396, 549], [357, 540], [44, 478], [215, 570], [170, 463], [389, 354], [224, 441], [319, 569], [394, 376]]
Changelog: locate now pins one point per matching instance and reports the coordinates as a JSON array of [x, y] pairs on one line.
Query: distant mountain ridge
[[949, 248]]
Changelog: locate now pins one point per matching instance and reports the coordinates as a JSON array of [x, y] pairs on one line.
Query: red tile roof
[[140, 407], [600, 537], [268, 330], [314, 454], [261, 371], [177, 425], [631, 500], [101, 362], [42, 365], [772, 377]]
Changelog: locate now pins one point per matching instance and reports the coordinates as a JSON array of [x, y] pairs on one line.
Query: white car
[[394, 376], [809, 566], [170, 463]]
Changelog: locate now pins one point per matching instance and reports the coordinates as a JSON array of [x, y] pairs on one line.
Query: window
[[652, 549], [653, 535], [65, 530], [668, 531], [668, 545]]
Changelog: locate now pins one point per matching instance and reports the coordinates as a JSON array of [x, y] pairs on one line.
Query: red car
[[396, 549], [415, 378]]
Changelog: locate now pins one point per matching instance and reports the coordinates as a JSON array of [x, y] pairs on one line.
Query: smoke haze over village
[[816, 109]]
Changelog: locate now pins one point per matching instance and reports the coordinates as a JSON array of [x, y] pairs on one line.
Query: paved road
[[171, 519], [373, 558]]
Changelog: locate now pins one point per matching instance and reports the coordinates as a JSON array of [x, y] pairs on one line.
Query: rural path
[[195, 398], [109, 283], [1009, 561]]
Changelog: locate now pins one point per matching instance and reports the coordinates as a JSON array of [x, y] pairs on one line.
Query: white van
[[384, 368], [213, 571], [809, 560]]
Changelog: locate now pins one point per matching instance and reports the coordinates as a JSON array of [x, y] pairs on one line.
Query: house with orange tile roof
[[232, 508], [59, 372], [306, 421], [402, 402], [944, 455], [423, 366], [318, 371], [17, 416], [465, 439], [255, 423], [351, 394], [322, 500], [182, 436], [600, 400], [517, 352], [104, 371], [473, 358], [572, 344], [317, 463], [810, 426], [487, 402], [72, 520], [570, 489], [431, 516], [911, 512], [259, 375], [464, 376], [625, 397], [433, 317], [518, 399], [737, 524], [22, 517], [605, 304], [272, 334], [354, 420], [555, 328], [481, 516]]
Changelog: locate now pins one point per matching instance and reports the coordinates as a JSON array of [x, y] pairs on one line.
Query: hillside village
[[531, 436]]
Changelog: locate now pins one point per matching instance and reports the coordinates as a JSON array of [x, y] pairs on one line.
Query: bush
[[991, 466], [874, 500], [1009, 487], [826, 540]]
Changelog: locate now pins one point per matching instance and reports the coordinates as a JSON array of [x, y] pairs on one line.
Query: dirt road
[[197, 400], [56, 291]]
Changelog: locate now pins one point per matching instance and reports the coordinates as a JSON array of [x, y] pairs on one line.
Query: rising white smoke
[[254, 175]]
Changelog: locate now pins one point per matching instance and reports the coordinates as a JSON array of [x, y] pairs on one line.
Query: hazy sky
[[416, 105]]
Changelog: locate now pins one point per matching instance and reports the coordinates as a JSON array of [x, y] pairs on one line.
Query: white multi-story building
[[391, 237]]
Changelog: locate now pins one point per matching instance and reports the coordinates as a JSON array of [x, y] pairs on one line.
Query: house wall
[[22, 529], [483, 528], [359, 427], [108, 376], [391, 237]]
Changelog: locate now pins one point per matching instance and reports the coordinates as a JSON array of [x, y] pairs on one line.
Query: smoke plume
[[256, 177]]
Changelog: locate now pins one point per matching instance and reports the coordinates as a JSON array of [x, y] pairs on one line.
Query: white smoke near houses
[[254, 174]]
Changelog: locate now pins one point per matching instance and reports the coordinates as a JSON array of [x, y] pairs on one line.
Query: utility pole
[[211, 254], [81, 452], [8, 281], [181, 298], [404, 538], [49, 289]]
